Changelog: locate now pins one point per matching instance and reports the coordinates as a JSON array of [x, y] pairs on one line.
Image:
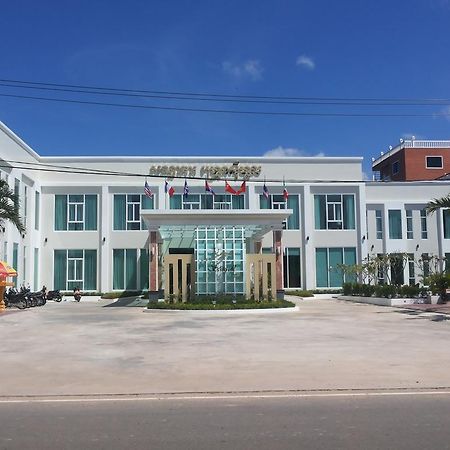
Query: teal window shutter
[[118, 268], [293, 220], [60, 212], [90, 205], [320, 216], [120, 219], [131, 269], [321, 267], [395, 224], [146, 203], [144, 269], [349, 212], [60, 269], [446, 217], [175, 202], [238, 202], [350, 260], [264, 203], [335, 258], [90, 270]]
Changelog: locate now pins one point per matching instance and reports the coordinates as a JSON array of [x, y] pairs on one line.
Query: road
[[385, 420]]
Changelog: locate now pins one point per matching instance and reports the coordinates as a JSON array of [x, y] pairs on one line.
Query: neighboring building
[[101, 232], [413, 160]]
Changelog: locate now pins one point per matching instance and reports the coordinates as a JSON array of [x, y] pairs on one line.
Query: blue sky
[[301, 48]]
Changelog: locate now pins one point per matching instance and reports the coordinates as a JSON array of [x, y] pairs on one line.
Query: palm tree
[[438, 203], [9, 207]]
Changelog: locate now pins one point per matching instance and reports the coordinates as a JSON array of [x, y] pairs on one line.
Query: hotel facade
[[90, 224]]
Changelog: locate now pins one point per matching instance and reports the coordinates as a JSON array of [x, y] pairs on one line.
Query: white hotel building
[[101, 233]]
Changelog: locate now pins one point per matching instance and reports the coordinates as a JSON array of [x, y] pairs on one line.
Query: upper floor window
[[16, 193], [279, 202], [409, 224], [395, 224], [446, 218], [37, 209], [334, 212], [379, 223], [127, 211], [76, 212], [423, 224], [395, 167], [434, 162], [207, 201]]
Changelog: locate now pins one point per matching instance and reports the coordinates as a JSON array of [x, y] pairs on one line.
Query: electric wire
[[204, 94], [306, 101], [224, 111]]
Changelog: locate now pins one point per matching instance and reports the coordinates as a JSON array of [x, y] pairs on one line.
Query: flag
[[208, 188], [285, 193], [186, 189], [265, 191], [147, 191], [242, 189], [229, 189], [169, 189]]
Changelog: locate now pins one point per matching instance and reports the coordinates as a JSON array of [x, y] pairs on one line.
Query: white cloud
[[251, 68], [280, 152], [306, 62]]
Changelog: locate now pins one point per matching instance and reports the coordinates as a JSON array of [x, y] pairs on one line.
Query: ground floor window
[[219, 253], [75, 268], [291, 267], [328, 273], [130, 269]]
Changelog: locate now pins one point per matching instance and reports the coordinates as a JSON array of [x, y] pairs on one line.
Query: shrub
[[347, 288], [300, 293], [223, 306], [122, 294], [367, 290]]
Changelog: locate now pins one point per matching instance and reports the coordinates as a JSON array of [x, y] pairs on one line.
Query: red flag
[[242, 189], [229, 189]]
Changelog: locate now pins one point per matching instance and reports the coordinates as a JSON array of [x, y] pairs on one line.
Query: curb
[[219, 312]]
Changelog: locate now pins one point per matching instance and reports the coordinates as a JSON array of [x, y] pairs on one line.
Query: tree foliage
[[437, 203], [9, 207]]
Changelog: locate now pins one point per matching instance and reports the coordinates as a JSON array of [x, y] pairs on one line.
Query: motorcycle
[[15, 298], [54, 295]]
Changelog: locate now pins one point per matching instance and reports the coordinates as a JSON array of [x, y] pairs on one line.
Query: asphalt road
[[385, 421]]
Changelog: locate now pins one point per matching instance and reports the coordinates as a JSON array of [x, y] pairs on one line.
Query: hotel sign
[[211, 171]]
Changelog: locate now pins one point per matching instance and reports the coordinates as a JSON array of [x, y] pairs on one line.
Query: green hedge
[[382, 290], [300, 293], [122, 294], [196, 305]]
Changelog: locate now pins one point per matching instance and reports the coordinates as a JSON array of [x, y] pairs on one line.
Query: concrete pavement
[[83, 348]]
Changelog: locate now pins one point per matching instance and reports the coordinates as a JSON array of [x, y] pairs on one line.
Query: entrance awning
[[256, 223]]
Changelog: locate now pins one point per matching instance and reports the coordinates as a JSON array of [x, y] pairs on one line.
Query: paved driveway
[[84, 348]]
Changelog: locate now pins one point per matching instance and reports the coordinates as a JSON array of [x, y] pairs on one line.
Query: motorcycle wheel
[[58, 299]]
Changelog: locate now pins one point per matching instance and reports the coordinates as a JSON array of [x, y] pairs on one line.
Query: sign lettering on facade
[[210, 171]]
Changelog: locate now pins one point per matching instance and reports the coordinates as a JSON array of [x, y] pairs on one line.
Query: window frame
[[379, 221], [434, 167], [78, 206], [423, 224], [409, 224]]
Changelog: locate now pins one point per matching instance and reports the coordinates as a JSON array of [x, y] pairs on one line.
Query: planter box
[[380, 301]]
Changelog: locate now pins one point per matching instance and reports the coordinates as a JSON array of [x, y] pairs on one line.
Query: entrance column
[[278, 249], [153, 288]]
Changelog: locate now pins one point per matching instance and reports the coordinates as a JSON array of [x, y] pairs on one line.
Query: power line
[[203, 94], [225, 111], [216, 98]]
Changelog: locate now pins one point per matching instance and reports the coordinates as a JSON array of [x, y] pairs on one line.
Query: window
[[411, 276], [16, 192], [434, 162], [219, 255], [381, 279], [75, 268], [446, 219], [207, 201], [279, 202], [5, 251], [328, 274], [24, 267], [423, 224], [395, 224], [37, 209], [395, 167], [334, 212], [379, 223], [291, 266], [15, 260], [127, 211], [425, 265], [75, 212], [409, 224], [25, 204], [130, 268]]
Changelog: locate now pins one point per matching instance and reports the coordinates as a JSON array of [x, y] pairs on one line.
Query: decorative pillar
[[153, 288], [278, 263]]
